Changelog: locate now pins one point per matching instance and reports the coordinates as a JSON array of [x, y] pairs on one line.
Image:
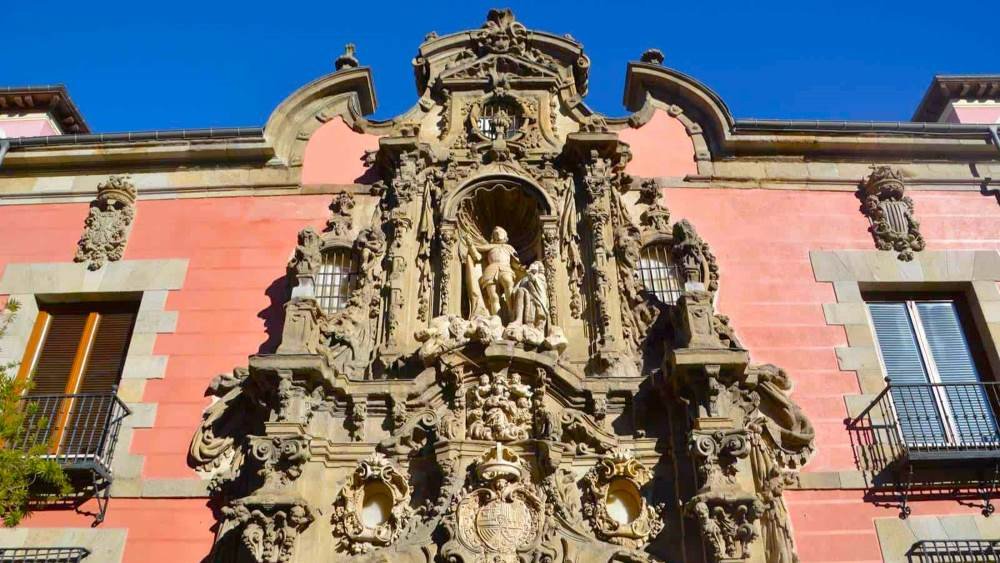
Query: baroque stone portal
[[499, 385]]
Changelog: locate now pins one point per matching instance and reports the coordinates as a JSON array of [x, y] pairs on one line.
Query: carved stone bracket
[[727, 523], [373, 509], [891, 212], [109, 219], [613, 502], [270, 525]]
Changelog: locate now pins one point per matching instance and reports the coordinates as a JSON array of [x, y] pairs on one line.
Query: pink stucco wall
[[976, 114], [39, 127], [661, 147], [333, 154], [238, 247]]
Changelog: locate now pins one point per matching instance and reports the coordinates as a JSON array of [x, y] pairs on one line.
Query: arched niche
[[478, 211]]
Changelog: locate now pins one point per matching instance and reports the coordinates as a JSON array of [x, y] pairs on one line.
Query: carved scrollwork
[[373, 509], [613, 503], [339, 224], [270, 526], [106, 228], [891, 211], [727, 525], [282, 458]]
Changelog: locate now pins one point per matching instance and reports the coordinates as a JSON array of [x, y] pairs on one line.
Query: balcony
[[42, 554], [936, 438], [80, 432], [951, 551]]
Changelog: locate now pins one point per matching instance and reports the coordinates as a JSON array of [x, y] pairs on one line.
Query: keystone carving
[[270, 526], [614, 504], [106, 229], [373, 509], [891, 212]]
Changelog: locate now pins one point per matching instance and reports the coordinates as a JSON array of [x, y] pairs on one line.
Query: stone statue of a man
[[498, 273], [530, 303]]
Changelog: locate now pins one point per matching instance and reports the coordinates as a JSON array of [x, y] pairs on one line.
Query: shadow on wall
[[274, 315]]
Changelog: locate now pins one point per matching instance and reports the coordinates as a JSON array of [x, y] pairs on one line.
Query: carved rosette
[[109, 219], [270, 526], [891, 212], [613, 503], [373, 509], [500, 515]]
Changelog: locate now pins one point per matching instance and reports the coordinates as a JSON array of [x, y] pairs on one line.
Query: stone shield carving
[[501, 513]]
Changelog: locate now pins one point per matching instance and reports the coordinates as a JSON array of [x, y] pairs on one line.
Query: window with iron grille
[[337, 277], [938, 395], [42, 554], [659, 274], [954, 551]]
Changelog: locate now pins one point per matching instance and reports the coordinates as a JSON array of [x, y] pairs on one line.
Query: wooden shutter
[[968, 406], [76, 349], [918, 414]]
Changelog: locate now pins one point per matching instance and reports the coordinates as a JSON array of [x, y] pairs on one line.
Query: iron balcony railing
[[42, 554], [79, 431], [927, 422], [954, 551]]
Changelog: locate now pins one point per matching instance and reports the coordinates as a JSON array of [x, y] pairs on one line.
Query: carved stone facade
[[106, 229], [500, 386]]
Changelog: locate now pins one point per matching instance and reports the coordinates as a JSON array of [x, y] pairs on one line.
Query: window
[[73, 363], [659, 274], [337, 277], [500, 119], [937, 391]]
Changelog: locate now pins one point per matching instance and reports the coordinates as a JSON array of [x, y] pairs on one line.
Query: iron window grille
[[42, 554], [337, 278], [954, 551], [658, 273], [80, 432], [500, 118]]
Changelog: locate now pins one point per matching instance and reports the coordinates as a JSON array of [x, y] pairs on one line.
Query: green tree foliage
[[22, 469]]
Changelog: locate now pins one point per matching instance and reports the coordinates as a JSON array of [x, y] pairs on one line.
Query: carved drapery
[[109, 219], [891, 212]]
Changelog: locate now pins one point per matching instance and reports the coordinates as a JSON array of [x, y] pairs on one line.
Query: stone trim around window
[[972, 272], [106, 545], [896, 537], [69, 281]]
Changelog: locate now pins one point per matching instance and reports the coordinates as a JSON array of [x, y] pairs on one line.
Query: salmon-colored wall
[[238, 248], [762, 240], [333, 154], [661, 147], [232, 295]]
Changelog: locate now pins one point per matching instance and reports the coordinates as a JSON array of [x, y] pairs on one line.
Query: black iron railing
[[954, 551], [934, 439], [79, 431], [42, 554], [928, 421]]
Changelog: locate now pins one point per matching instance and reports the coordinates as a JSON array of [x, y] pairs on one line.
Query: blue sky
[[137, 66]]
